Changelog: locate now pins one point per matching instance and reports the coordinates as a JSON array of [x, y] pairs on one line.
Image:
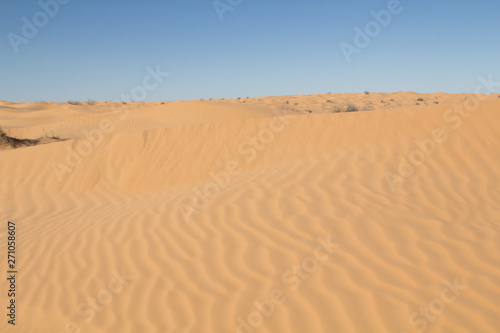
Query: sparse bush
[[367, 93], [14, 142], [238, 98], [436, 102], [124, 102], [351, 108], [329, 101], [420, 99], [382, 101], [392, 100], [74, 103], [91, 102]]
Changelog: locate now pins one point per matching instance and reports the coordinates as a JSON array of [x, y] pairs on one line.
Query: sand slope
[[213, 211]]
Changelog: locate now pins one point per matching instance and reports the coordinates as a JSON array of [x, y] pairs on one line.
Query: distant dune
[[271, 214]]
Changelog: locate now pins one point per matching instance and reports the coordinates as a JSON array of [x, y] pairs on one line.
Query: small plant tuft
[[351, 108], [367, 93], [420, 99]]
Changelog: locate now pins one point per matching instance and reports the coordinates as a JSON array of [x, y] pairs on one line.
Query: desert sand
[[271, 214]]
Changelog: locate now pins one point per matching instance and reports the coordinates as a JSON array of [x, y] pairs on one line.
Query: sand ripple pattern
[[322, 175]]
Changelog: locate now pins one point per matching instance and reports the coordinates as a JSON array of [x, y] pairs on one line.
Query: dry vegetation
[[10, 142]]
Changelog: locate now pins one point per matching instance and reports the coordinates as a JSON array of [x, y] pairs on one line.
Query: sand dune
[[224, 216], [68, 121]]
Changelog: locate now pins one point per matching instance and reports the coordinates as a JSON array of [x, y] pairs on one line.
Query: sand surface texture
[[255, 215]]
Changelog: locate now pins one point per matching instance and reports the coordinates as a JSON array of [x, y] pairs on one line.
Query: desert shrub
[[91, 102], [351, 108], [420, 99], [329, 101], [436, 102], [74, 103], [367, 92], [14, 142]]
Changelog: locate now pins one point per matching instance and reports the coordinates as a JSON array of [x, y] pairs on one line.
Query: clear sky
[[97, 49]]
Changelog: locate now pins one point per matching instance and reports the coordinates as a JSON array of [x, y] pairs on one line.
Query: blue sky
[[95, 49]]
